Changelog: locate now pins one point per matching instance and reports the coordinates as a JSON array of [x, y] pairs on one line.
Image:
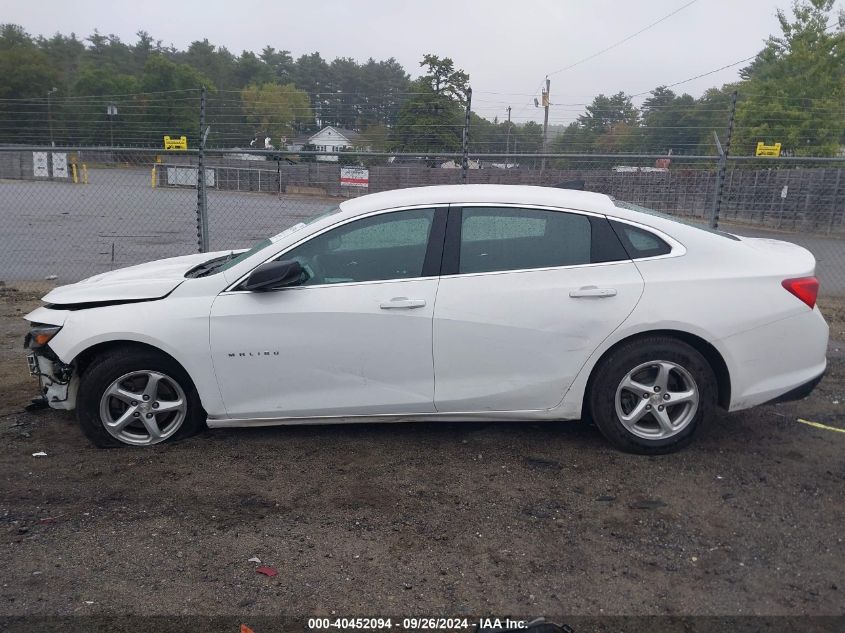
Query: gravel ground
[[423, 519]]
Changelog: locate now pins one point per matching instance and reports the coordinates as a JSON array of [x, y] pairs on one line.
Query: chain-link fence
[[66, 214]]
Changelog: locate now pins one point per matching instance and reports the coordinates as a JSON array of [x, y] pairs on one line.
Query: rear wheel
[[137, 398], [650, 394]]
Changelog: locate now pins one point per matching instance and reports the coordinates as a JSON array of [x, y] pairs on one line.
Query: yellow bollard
[[74, 174], [84, 173], [153, 177]]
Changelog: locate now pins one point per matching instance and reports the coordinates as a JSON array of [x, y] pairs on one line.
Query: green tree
[[275, 110], [605, 112], [444, 79], [89, 116], [670, 123], [794, 90], [432, 118], [218, 64], [170, 103], [26, 73]]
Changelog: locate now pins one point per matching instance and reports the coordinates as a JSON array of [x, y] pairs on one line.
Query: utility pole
[[50, 116], [508, 139], [465, 160], [545, 125]]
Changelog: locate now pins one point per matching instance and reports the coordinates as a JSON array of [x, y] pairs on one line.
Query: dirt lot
[[423, 519]]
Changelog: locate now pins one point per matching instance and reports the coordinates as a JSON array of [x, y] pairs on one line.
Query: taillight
[[805, 288]]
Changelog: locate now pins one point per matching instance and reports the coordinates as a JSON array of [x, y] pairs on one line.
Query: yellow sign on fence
[[764, 150], [179, 142]]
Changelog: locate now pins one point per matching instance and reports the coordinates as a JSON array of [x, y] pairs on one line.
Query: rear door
[[525, 296]]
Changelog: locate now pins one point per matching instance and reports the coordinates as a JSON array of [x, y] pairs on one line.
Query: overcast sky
[[507, 47]]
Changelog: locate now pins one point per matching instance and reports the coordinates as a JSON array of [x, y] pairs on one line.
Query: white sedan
[[475, 302]]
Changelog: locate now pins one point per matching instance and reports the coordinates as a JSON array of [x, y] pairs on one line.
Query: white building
[[329, 139]]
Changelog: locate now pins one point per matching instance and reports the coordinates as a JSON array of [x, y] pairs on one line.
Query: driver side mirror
[[275, 274]]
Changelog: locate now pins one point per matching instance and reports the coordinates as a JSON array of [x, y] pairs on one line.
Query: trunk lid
[[784, 258]]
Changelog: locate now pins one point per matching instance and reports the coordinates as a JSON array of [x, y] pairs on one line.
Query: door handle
[[592, 291], [402, 302]]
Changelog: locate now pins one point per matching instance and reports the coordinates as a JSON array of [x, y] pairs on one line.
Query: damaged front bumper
[[57, 381]]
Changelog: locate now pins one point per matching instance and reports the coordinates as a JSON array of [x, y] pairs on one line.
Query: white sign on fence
[[187, 176], [59, 165], [40, 168], [354, 177]]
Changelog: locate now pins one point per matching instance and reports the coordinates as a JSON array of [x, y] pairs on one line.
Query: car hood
[[152, 280]]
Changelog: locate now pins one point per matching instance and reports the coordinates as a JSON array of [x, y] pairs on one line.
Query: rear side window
[[494, 239], [640, 243]]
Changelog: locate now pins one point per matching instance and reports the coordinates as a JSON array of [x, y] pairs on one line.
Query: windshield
[[229, 262], [635, 207]]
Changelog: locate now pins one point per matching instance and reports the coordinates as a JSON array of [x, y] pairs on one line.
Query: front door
[[354, 339], [526, 304]]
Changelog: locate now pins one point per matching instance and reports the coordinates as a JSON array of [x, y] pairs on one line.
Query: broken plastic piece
[[267, 571], [39, 454]]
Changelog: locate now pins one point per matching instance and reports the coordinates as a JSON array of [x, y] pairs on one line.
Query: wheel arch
[[86, 357], [712, 355]]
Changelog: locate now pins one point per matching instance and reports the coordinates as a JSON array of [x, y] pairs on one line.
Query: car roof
[[493, 194]]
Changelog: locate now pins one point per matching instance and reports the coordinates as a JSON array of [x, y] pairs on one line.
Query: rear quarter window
[[639, 242]]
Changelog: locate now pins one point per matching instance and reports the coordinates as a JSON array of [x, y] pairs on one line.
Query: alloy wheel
[[657, 400], [143, 407]]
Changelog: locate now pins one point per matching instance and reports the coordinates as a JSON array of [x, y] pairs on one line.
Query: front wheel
[[650, 394], [137, 398]]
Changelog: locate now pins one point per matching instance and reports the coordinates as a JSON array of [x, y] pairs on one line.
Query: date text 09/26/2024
[[416, 623]]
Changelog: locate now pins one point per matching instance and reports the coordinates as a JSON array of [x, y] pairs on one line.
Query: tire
[[172, 407], [679, 384]]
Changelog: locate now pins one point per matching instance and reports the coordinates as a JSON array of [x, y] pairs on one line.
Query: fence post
[[465, 159], [833, 202], [202, 200], [723, 161]]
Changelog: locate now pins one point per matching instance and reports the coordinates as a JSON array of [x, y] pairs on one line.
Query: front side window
[[387, 246], [494, 239]]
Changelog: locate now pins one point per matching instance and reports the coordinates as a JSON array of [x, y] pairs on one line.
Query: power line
[[709, 72], [622, 41]]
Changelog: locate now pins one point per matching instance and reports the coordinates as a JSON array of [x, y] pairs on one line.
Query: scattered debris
[[647, 504], [37, 404], [267, 571], [539, 462], [246, 629], [818, 425], [606, 498], [51, 277], [39, 454], [48, 520], [255, 559]]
